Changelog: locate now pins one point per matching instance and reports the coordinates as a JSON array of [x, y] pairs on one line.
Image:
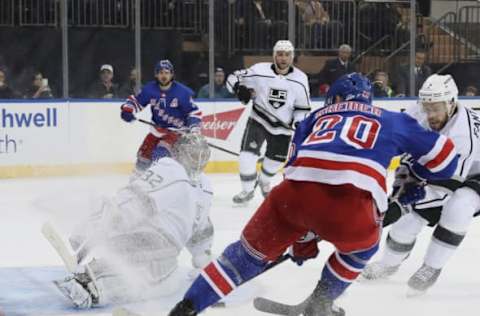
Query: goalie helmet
[[440, 88], [191, 150]]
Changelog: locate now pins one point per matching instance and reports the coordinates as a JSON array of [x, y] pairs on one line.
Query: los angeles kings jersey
[[278, 100], [463, 128]]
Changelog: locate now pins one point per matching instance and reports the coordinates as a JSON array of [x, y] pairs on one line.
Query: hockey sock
[[269, 169], [342, 269], [235, 266], [248, 170]]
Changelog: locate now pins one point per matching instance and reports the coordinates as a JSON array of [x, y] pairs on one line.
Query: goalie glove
[[305, 248]]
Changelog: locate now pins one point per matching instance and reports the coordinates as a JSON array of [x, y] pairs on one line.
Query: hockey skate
[[422, 280], [264, 187], [183, 308], [378, 270], [243, 197], [319, 304]]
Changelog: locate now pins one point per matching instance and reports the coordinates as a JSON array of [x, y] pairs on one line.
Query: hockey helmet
[[164, 64], [350, 87], [440, 88], [191, 150], [283, 46]]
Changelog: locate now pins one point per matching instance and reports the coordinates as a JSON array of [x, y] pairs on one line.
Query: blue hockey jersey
[[353, 143], [172, 108]]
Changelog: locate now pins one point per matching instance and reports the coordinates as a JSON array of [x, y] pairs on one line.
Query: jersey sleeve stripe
[[443, 158], [133, 101], [340, 165]]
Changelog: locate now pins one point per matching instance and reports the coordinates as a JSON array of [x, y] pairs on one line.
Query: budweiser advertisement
[[221, 124]]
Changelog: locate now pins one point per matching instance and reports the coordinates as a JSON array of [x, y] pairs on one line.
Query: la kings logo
[[277, 98]]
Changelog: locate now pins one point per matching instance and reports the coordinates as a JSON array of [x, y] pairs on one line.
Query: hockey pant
[[153, 148], [276, 153], [341, 214]]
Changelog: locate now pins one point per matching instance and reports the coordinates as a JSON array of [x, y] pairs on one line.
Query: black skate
[[422, 280], [183, 308], [243, 197]]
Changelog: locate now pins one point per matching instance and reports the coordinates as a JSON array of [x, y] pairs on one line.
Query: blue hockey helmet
[[350, 87], [163, 64]]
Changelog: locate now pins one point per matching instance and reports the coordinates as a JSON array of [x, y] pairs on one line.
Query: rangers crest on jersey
[[277, 97]]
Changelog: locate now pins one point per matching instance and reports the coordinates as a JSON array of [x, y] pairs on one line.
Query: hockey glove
[[243, 93], [412, 192], [127, 114], [305, 248]]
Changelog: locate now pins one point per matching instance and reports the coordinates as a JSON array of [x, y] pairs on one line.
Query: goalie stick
[[70, 260]]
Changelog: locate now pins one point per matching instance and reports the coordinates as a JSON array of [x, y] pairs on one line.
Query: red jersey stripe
[[441, 156]]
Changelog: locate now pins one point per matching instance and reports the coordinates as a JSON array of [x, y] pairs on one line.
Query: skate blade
[[122, 311], [413, 293]]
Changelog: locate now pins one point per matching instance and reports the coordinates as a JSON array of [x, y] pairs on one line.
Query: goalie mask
[[192, 152], [438, 99]]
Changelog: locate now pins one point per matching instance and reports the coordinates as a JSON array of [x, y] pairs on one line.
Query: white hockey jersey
[[181, 207], [278, 100], [463, 129]]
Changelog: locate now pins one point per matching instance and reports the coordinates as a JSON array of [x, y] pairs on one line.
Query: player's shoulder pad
[[183, 88], [150, 86], [170, 169], [262, 68], [299, 75]]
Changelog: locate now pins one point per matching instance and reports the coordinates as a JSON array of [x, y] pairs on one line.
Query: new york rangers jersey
[[287, 97], [172, 108], [463, 128], [353, 143]]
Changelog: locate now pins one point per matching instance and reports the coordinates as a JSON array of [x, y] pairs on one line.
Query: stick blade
[[122, 311], [272, 307]]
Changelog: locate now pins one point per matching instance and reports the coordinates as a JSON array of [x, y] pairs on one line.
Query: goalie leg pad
[[235, 266]]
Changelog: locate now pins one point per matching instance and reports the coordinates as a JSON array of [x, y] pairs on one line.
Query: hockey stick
[[273, 307], [209, 144]]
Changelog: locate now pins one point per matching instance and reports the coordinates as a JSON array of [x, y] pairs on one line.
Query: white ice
[[26, 203]]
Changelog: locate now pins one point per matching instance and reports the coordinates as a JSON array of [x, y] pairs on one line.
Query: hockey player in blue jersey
[[172, 108], [335, 189]]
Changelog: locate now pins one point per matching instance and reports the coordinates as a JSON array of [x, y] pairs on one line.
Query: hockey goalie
[[132, 243]]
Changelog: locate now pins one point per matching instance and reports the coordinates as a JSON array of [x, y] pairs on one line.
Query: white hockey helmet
[[283, 46], [440, 88]]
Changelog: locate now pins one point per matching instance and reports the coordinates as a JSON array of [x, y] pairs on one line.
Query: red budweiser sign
[[220, 125]]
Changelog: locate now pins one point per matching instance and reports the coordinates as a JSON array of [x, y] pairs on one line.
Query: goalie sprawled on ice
[[134, 239]]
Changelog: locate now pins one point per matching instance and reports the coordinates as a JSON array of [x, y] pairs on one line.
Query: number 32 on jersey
[[358, 131]]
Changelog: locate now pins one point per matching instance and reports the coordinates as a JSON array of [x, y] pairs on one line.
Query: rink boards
[[77, 137]]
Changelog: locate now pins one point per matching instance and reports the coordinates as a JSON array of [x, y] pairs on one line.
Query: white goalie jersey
[[463, 128], [278, 100], [181, 207]]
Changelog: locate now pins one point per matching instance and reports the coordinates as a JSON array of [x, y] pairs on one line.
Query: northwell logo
[[221, 124], [44, 118]]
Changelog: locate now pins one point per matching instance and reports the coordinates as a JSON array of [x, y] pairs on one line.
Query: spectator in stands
[[270, 22], [471, 91], [320, 30], [6, 92], [381, 88], [104, 88], [220, 90], [130, 86], [39, 88], [335, 68], [422, 72]]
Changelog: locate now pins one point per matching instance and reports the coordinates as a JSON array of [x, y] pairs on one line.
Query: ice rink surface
[[28, 264]]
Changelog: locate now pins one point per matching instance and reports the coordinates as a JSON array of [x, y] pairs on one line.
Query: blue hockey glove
[[305, 248], [127, 114], [412, 192]]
